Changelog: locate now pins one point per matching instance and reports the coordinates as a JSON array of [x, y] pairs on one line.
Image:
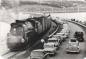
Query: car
[[62, 35], [67, 34], [50, 48], [58, 37], [79, 36], [39, 54], [55, 41], [73, 46]]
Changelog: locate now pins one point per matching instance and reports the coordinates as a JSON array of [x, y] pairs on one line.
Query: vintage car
[[50, 48], [58, 37], [62, 35], [79, 36], [39, 54], [55, 41], [73, 46]]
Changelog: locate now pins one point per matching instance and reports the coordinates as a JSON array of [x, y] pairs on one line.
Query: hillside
[[53, 6], [50, 6]]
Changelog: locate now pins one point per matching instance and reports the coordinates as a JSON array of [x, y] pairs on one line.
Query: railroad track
[[23, 54], [13, 55]]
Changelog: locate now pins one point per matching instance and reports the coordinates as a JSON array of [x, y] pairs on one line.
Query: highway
[[61, 53]]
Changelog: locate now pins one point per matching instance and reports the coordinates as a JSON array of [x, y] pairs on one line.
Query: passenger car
[[55, 41], [67, 34], [39, 54], [58, 37], [50, 48], [79, 36], [73, 46], [62, 35]]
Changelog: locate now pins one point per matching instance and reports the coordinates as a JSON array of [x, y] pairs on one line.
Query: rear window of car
[[51, 41], [73, 40]]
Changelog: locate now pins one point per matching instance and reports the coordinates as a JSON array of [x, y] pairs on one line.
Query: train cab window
[[17, 31], [13, 31], [29, 25]]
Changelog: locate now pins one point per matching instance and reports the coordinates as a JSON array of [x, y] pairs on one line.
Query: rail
[[55, 30]]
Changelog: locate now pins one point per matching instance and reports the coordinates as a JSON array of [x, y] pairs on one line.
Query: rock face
[[6, 16], [10, 15], [4, 29]]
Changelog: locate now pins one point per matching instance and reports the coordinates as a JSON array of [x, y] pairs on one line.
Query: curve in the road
[[61, 53]]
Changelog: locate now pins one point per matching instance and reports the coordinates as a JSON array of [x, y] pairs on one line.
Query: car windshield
[[36, 54], [17, 31]]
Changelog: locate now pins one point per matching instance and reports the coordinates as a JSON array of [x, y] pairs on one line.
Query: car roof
[[60, 33], [73, 38], [52, 38], [39, 50], [51, 43]]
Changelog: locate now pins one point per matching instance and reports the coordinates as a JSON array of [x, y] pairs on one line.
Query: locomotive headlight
[[22, 40], [42, 40]]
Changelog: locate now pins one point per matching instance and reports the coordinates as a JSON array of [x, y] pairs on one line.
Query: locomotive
[[25, 33]]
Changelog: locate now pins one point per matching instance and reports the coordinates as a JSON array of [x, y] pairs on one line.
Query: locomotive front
[[17, 38], [14, 38], [28, 33]]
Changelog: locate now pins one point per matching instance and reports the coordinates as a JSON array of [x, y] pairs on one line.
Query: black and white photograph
[[42, 29]]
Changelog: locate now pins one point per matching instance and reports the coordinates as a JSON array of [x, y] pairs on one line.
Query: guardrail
[[54, 32], [83, 26], [57, 29]]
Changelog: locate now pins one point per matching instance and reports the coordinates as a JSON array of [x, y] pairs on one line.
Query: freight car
[[25, 33]]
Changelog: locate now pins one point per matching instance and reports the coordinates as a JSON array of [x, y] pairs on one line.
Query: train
[[25, 33]]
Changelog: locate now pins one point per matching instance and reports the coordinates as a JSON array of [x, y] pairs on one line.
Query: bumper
[[50, 52], [73, 51]]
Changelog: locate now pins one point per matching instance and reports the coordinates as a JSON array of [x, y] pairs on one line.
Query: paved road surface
[[61, 54]]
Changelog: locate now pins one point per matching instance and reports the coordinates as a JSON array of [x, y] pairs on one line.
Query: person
[[82, 36]]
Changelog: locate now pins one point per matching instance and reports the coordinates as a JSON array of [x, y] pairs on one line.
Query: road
[[61, 54]]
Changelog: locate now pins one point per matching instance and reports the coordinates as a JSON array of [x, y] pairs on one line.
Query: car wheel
[[55, 53], [82, 39], [67, 52], [78, 52], [47, 57]]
